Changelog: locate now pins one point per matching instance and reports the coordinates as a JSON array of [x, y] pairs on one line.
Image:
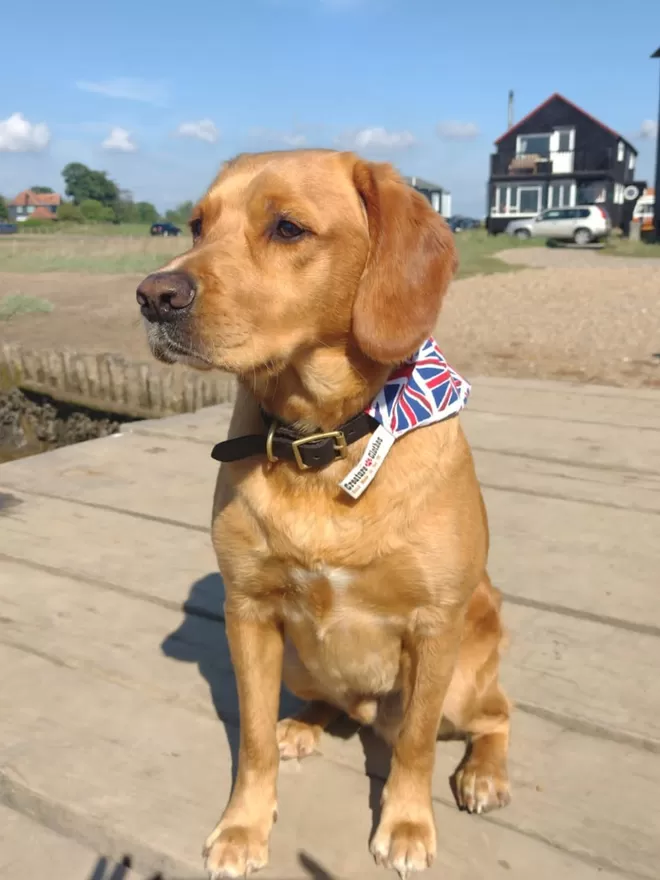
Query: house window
[[620, 151], [631, 161], [516, 199], [564, 143], [533, 145], [559, 194], [30, 209], [592, 193], [529, 200]]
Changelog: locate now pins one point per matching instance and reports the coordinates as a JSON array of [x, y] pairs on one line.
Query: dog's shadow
[[201, 639]]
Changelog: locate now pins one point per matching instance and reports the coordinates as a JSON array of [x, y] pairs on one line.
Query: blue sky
[[159, 93]]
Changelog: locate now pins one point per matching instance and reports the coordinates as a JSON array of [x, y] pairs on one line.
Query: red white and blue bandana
[[423, 390]]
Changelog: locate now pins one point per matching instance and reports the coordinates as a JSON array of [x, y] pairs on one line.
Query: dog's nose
[[164, 296]]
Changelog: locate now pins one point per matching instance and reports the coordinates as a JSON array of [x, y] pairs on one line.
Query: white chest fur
[[345, 645]]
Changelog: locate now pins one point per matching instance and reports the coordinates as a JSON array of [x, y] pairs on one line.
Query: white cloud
[[648, 129], [119, 141], [17, 135], [377, 138], [127, 88], [204, 130], [293, 139], [453, 130]]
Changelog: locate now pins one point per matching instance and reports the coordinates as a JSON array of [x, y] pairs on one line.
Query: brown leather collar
[[283, 443]]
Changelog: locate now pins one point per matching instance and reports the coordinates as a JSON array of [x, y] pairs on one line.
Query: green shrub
[[95, 212], [69, 213], [36, 223]]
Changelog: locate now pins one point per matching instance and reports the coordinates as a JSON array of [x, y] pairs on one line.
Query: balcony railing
[[581, 161]]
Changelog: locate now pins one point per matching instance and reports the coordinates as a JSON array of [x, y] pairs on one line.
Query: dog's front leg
[[239, 843], [406, 838]]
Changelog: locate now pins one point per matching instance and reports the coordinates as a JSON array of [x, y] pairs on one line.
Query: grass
[[83, 229], [477, 249], [623, 247], [111, 254], [19, 304], [115, 253]]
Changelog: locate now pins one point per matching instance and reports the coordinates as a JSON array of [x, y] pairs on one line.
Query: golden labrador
[[313, 275]]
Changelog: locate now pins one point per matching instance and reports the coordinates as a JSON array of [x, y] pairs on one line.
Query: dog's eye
[[196, 228], [287, 230]]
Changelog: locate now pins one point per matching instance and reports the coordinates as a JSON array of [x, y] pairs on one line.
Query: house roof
[[424, 184], [557, 96], [27, 197]]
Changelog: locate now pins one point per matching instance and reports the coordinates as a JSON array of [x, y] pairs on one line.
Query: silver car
[[583, 224]]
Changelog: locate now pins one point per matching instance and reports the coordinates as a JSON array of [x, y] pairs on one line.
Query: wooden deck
[[115, 668]]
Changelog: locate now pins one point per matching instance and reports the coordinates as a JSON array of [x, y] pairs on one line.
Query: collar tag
[[380, 443]]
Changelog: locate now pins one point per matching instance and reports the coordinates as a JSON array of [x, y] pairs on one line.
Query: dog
[[356, 573]]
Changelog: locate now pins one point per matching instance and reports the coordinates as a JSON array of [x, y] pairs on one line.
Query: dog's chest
[[344, 640]]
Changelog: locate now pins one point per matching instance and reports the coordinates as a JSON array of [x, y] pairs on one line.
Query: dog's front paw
[[296, 739], [482, 785], [405, 844], [236, 850]]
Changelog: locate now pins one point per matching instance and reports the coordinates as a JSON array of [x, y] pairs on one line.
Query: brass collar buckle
[[341, 446]]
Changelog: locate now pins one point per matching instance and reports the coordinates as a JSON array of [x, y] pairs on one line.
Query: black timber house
[[559, 156]]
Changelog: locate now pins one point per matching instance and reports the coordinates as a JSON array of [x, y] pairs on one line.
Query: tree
[[70, 213], [42, 190], [181, 214], [146, 213], [4, 211], [82, 183], [95, 212]]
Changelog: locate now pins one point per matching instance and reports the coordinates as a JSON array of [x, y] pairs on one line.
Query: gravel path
[[569, 258], [599, 323]]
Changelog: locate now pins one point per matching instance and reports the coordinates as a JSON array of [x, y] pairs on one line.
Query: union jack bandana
[[423, 390]]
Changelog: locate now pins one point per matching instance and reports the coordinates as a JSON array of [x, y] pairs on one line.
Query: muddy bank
[[31, 423]]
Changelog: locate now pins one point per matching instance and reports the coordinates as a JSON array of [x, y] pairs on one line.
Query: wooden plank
[[559, 554], [606, 447], [564, 793], [28, 850], [588, 560], [135, 775], [566, 401], [542, 478], [592, 673], [158, 561], [162, 478]]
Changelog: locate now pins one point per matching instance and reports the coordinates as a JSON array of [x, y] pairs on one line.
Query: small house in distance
[[559, 156], [29, 204], [438, 196]]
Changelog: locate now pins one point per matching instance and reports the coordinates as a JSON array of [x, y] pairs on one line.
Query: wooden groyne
[[111, 383]]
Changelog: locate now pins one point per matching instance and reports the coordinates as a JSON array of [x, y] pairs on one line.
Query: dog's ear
[[411, 261]]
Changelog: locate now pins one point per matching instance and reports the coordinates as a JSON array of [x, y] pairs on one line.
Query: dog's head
[[305, 257]]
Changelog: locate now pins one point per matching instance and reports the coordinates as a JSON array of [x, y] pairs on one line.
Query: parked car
[[165, 229], [583, 224], [458, 223], [7, 228]]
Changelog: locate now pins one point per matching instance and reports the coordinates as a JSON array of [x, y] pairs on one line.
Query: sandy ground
[[574, 316]]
